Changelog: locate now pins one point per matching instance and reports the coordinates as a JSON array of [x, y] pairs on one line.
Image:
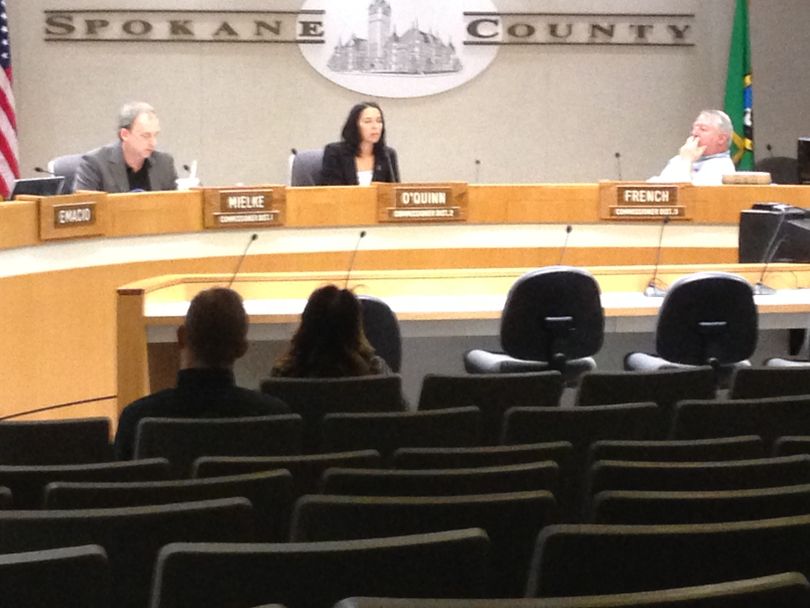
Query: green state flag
[[738, 102]]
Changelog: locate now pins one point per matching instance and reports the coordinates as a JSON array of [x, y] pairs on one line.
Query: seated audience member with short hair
[[330, 342], [212, 338], [361, 156], [704, 158], [131, 163]]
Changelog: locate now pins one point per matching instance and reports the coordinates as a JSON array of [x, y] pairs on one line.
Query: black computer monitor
[[803, 157], [38, 186]]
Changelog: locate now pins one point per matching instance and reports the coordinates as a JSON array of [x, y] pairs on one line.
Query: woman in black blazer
[[361, 157]]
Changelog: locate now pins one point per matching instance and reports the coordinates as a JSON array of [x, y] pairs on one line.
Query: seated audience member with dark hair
[[212, 338], [330, 342], [362, 156]]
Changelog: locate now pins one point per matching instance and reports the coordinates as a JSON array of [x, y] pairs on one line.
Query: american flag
[[9, 157]]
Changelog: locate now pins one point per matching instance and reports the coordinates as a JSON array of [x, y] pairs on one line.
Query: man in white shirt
[[704, 159]]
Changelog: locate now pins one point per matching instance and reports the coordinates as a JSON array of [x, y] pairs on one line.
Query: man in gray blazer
[[131, 163]]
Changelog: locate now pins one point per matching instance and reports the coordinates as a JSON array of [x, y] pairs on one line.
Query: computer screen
[[38, 186]]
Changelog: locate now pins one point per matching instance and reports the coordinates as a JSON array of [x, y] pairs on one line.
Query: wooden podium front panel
[[145, 213]]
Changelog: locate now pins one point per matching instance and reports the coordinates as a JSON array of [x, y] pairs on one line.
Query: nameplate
[[71, 216], [244, 207], [641, 201], [414, 202]]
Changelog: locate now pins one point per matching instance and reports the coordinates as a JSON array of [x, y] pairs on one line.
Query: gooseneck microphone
[[351, 260], [760, 289], [568, 230], [769, 148], [294, 151], [618, 156], [45, 171], [652, 290], [477, 170], [252, 238], [394, 175], [57, 406]]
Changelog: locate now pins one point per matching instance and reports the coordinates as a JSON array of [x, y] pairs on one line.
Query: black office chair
[[305, 168], [381, 326], [783, 169], [66, 166], [707, 318], [552, 320]]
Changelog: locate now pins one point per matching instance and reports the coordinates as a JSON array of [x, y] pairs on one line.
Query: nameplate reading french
[[641, 201], [445, 202], [254, 206]]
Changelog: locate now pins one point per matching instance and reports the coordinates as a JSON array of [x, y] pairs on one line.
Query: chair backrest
[[74, 577], [665, 387], [130, 536], [313, 398], [484, 456], [493, 394], [442, 482], [757, 382], [27, 483], [580, 426], [270, 493], [387, 431], [687, 450], [599, 559], [46, 442], [783, 169], [551, 312], [306, 469], [381, 326], [511, 520], [317, 574], [788, 445], [651, 507], [66, 166], [182, 440], [694, 476], [769, 418], [306, 167], [786, 590], [707, 316]]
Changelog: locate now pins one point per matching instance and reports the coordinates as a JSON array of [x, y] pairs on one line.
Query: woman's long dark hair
[[351, 133], [330, 341]]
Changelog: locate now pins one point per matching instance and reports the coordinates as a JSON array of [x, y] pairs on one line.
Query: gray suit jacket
[[104, 169]]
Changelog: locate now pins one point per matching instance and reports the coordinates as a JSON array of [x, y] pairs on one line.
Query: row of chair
[[87, 440]]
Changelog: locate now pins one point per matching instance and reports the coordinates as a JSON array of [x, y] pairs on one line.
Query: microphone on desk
[[252, 238], [769, 148], [760, 289], [618, 156], [351, 260], [294, 151], [394, 175], [57, 406], [45, 171], [477, 170], [652, 290], [568, 230]]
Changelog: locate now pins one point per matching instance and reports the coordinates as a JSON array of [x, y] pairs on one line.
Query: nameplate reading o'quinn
[[74, 214], [422, 202]]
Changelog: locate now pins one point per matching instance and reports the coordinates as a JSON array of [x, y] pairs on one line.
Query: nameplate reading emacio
[[243, 207], [68, 216], [422, 202]]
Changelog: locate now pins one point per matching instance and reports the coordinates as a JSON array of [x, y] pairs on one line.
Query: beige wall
[[545, 114]]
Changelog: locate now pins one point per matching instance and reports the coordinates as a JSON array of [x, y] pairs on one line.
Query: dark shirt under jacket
[[200, 393], [139, 180], [339, 167]]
